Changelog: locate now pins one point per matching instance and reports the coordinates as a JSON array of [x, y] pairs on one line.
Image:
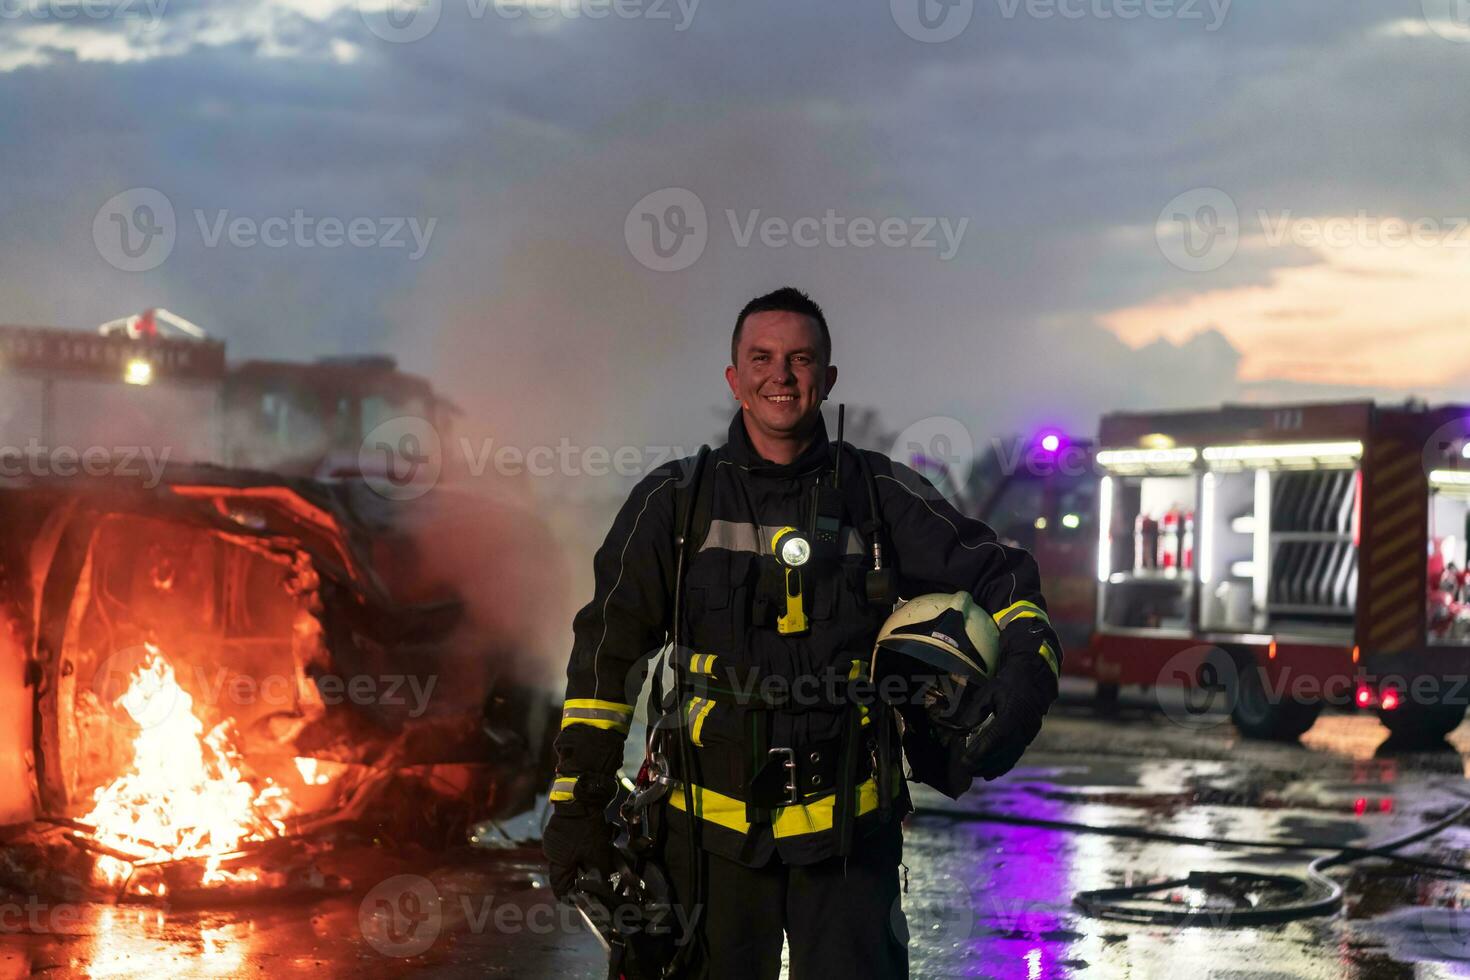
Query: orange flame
[[184, 795]]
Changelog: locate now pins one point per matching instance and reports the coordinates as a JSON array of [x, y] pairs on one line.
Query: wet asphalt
[[989, 892]]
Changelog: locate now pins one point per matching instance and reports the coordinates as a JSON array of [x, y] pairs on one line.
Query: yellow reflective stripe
[[597, 705], [702, 663], [713, 807], [793, 821], [610, 725], [859, 669], [696, 712], [787, 821], [610, 715], [1050, 656], [1020, 610], [562, 787]]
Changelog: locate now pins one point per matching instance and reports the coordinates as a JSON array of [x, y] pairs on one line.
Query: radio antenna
[[837, 467]]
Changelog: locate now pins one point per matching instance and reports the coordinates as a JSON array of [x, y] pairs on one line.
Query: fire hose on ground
[[1316, 894]]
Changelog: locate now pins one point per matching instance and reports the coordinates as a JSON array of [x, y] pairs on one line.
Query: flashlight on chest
[[793, 550], [796, 550]]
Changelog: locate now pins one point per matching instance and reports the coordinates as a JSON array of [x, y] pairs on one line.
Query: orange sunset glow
[[1365, 313]]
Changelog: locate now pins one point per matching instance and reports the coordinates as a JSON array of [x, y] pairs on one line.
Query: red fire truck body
[[1286, 556]]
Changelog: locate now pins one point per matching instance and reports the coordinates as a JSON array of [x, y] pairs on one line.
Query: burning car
[[212, 677]]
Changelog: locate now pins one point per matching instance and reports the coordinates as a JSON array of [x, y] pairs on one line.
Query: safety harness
[[824, 784]]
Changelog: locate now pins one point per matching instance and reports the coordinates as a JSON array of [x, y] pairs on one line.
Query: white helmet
[[947, 631]]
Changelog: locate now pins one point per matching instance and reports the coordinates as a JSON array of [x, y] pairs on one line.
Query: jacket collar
[[814, 458]]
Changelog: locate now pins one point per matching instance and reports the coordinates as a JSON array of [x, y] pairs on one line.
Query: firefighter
[[792, 777]]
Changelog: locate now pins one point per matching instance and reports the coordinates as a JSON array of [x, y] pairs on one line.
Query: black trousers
[[841, 916]]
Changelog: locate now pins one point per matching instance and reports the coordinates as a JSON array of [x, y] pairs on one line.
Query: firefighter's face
[[779, 375]]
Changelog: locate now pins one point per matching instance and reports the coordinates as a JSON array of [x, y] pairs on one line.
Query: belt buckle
[[792, 799]]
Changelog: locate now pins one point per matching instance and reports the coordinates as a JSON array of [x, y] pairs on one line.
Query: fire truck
[[1282, 557]]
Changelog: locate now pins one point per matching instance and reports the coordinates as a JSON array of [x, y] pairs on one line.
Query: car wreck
[[215, 677]]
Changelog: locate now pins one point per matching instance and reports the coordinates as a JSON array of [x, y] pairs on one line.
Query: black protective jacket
[[730, 631]]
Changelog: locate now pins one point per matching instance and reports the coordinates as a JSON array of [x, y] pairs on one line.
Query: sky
[[1016, 213]]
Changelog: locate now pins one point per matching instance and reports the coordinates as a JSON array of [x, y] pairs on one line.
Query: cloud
[[45, 34], [1364, 313], [1059, 141], [1430, 29]]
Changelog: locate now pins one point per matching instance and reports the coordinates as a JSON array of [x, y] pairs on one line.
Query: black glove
[[933, 753], [579, 836], [1018, 696]]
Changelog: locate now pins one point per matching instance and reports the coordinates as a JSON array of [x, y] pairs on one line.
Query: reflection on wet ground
[[478, 914], [1141, 770], [984, 899]]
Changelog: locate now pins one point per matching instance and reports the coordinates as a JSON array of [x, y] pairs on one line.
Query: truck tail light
[[1367, 697]]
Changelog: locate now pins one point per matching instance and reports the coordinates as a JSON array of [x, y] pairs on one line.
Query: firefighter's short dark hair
[[787, 299]]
